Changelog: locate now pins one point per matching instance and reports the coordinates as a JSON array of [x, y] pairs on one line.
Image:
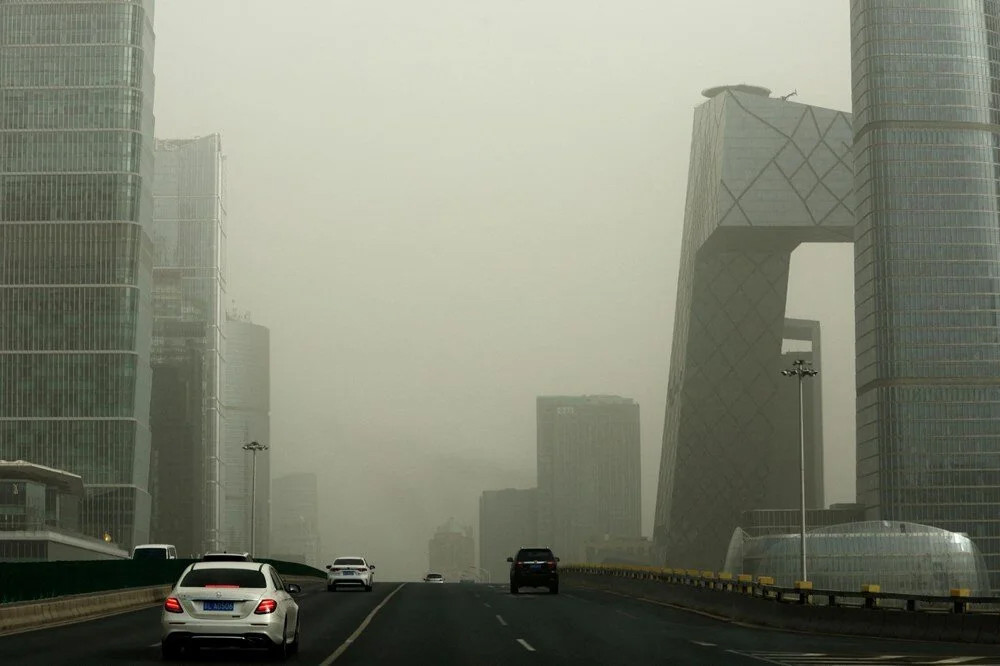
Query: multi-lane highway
[[483, 624]]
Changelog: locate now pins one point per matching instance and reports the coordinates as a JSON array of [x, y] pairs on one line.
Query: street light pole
[[800, 371], [253, 448]]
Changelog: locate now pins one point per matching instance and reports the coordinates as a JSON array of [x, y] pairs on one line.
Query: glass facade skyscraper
[[765, 175], [189, 287], [76, 126], [926, 81]]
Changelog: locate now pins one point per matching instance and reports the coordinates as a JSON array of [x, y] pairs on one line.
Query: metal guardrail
[[869, 596]]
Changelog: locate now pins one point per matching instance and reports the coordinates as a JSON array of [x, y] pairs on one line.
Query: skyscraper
[[588, 471], [247, 398], [926, 81], [508, 520], [295, 519], [452, 552], [189, 284], [76, 133], [765, 175]]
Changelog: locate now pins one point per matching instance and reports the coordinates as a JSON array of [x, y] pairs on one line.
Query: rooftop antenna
[[784, 98]]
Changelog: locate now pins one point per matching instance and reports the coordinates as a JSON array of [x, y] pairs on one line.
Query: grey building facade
[[926, 81], [189, 286], [765, 175], [247, 398], [295, 519], [76, 139], [508, 520], [589, 483]]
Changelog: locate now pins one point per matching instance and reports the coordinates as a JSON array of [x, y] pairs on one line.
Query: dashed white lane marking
[[501, 621], [703, 644], [525, 645], [487, 605], [628, 615], [953, 660], [154, 645], [357, 632]]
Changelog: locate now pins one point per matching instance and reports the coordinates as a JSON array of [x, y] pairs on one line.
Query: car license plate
[[536, 567], [347, 573], [218, 605]]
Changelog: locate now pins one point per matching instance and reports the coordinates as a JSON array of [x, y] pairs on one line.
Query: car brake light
[[233, 587], [172, 605], [266, 606], [362, 569], [335, 569], [552, 564]]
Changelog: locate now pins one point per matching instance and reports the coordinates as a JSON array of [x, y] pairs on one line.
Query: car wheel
[[279, 651], [554, 589], [368, 588], [514, 589], [170, 650], [331, 588]]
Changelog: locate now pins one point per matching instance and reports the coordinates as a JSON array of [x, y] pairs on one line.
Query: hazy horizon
[[443, 211]]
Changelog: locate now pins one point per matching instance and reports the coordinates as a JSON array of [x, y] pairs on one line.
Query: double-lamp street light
[[801, 369], [254, 448]]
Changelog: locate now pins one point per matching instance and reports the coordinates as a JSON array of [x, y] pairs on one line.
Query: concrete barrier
[[78, 607]]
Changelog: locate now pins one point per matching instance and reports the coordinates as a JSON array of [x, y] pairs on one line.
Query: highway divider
[[31, 615], [958, 617], [33, 581]]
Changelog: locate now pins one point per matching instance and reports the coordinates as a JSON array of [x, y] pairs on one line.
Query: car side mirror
[[557, 559], [329, 566], [292, 588], [372, 567], [510, 559]]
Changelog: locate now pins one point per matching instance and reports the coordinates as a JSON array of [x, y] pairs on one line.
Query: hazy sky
[[443, 208]]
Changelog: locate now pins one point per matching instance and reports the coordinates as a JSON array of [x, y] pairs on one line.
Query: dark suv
[[534, 567]]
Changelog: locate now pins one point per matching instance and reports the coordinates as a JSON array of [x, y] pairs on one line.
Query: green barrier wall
[[30, 581]]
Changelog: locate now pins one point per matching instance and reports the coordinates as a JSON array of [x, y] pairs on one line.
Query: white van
[[154, 551]]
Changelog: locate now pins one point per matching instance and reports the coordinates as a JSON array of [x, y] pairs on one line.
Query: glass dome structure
[[901, 557]]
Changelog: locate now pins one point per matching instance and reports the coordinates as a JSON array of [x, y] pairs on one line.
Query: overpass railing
[[869, 596]]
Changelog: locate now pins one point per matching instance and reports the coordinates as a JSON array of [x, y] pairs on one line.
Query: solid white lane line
[[487, 605], [953, 660], [703, 644], [502, 621], [361, 627], [156, 644], [525, 645], [758, 657], [628, 615]]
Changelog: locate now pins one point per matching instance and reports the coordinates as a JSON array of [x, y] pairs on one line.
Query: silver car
[[230, 604]]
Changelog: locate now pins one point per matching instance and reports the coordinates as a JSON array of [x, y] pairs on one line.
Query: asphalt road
[[483, 624]]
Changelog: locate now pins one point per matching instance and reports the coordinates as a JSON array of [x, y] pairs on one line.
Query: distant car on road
[[534, 567], [154, 551], [230, 604], [350, 572], [226, 557], [433, 578]]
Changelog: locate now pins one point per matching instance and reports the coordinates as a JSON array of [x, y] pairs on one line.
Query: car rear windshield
[[149, 554], [435, 576], [224, 578], [349, 562], [535, 555]]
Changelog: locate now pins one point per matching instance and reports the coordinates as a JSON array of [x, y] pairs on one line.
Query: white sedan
[[350, 572], [230, 604]]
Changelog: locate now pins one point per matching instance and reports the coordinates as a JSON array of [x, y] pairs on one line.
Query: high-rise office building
[[765, 175], [588, 471], [76, 169], [926, 81], [247, 399], [508, 520], [295, 519], [452, 552], [189, 285]]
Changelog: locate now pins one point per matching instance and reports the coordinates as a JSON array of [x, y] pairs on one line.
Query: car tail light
[[266, 606], [172, 605], [552, 564], [335, 569], [362, 569]]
